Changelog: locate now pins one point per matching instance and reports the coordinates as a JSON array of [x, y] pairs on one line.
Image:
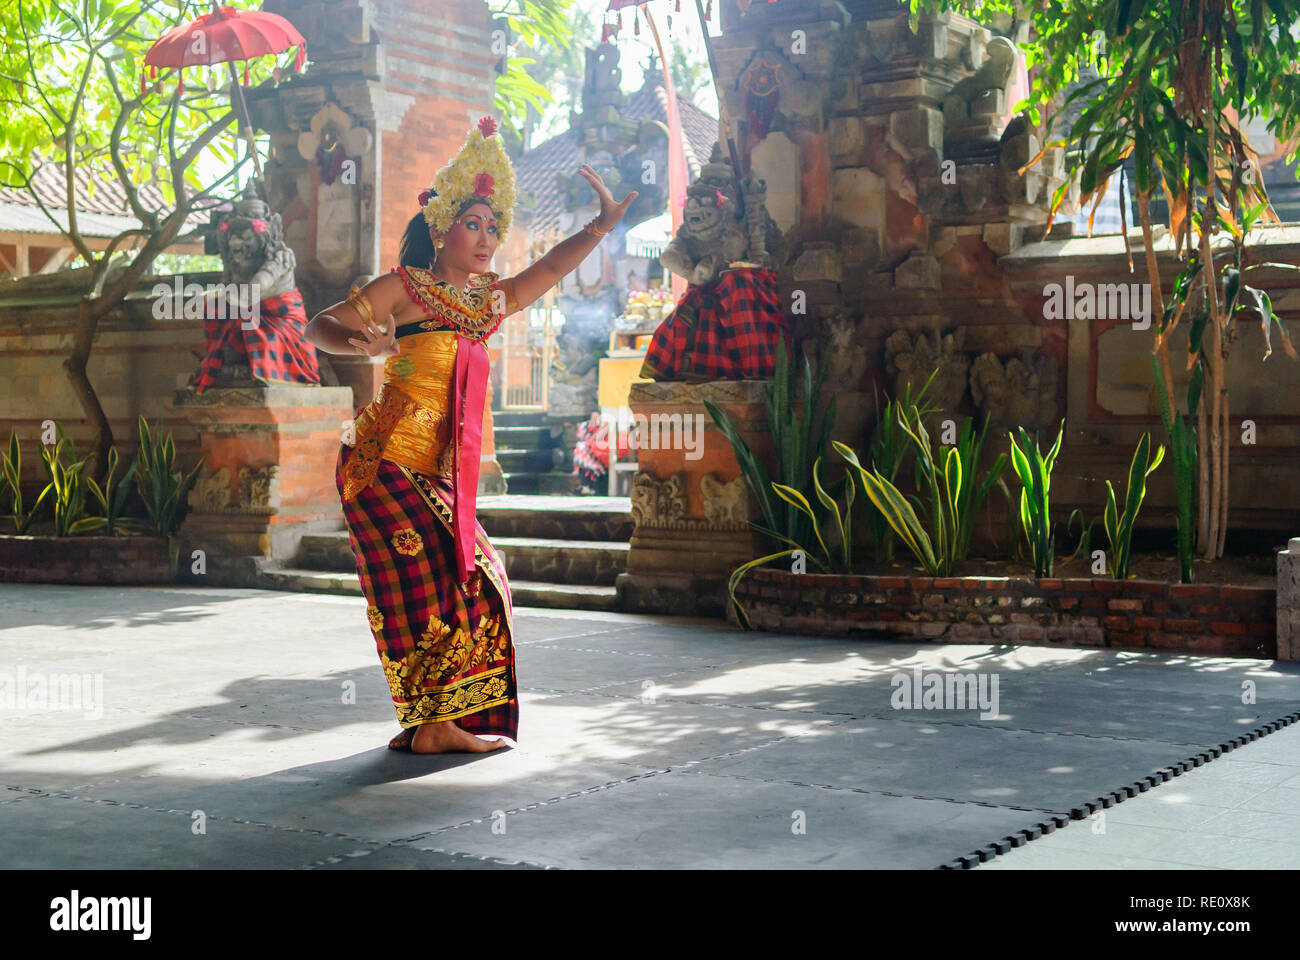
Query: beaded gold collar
[[468, 311]]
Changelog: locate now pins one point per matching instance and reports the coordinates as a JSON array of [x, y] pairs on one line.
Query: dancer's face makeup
[[472, 240]]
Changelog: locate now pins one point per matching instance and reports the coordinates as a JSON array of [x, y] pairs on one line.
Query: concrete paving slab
[[1227, 814], [1034, 771], [693, 821], [644, 742], [79, 834]]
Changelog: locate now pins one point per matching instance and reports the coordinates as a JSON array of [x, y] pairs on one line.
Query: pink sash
[[469, 392]]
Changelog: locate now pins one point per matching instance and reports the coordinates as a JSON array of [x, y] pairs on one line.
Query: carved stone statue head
[[712, 203], [247, 236]]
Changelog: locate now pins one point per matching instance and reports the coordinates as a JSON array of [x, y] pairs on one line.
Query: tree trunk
[[1203, 463], [88, 313], [1223, 479]]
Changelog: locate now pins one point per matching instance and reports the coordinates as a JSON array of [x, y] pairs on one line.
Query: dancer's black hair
[[417, 246]]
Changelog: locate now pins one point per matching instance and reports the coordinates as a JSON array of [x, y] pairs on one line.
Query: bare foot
[[402, 741], [446, 737]]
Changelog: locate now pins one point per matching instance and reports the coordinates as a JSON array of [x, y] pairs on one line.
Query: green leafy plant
[[68, 486], [13, 462], [889, 447], [893, 506], [942, 539], [970, 447], [1119, 526], [1177, 86], [1035, 473], [826, 558], [799, 440], [163, 489], [112, 497], [1180, 430]]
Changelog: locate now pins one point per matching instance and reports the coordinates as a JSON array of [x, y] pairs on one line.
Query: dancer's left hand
[[610, 212]]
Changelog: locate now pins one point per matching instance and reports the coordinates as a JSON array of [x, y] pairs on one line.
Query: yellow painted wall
[[617, 374]]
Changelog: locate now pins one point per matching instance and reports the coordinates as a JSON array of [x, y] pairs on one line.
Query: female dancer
[[439, 602]]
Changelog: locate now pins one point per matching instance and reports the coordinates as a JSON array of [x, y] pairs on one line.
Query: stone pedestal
[[269, 453], [690, 500], [1288, 601]]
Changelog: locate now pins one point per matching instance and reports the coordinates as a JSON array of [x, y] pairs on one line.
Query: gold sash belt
[[423, 428]]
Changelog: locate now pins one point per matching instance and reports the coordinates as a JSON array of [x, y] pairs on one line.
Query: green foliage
[[13, 462], [889, 447], [1181, 432], [163, 489], [68, 487], [948, 478], [799, 440], [1035, 473], [112, 497], [1119, 526], [827, 559], [70, 82], [970, 447], [535, 25], [893, 506]]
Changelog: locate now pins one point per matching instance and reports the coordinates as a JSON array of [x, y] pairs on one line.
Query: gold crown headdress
[[481, 173]]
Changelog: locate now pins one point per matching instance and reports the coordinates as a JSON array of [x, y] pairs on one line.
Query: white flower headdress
[[481, 173]]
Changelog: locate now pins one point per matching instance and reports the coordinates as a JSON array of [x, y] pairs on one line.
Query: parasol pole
[[722, 100], [238, 92]]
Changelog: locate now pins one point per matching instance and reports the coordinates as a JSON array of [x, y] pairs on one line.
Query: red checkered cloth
[[447, 652], [276, 347], [725, 330]]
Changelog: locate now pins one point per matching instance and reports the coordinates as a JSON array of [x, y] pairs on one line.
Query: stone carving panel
[[1020, 392]]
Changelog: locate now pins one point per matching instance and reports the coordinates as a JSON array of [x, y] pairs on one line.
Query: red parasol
[[224, 36]]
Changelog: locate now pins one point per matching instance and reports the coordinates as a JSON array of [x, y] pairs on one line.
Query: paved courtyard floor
[[247, 728]]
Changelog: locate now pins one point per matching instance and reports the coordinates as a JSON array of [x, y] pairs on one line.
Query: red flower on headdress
[[487, 126], [259, 226], [484, 183], [424, 197], [721, 198]]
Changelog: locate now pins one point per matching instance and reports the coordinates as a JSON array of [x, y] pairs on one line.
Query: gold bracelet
[[592, 228], [361, 304]]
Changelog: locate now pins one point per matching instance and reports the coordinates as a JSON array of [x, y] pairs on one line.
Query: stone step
[[524, 438], [301, 580], [327, 551], [590, 562], [562, 596], [520, 418], [521, 483], [555, 483], [555, 518], [514, 460], [550, 483], [523, 593]]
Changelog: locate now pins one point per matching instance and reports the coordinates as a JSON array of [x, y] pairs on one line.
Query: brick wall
[[84, 560], [439, 56], [1209, 619]]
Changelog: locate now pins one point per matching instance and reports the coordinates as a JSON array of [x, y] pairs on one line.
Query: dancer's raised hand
[[610, 212], [378, 342]]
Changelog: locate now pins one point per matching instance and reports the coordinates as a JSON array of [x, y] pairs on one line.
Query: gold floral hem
[[442, 653], [479, 692]]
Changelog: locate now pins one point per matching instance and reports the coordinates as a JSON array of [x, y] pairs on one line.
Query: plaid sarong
[[447, 652], [725, 330], [276, 347]]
